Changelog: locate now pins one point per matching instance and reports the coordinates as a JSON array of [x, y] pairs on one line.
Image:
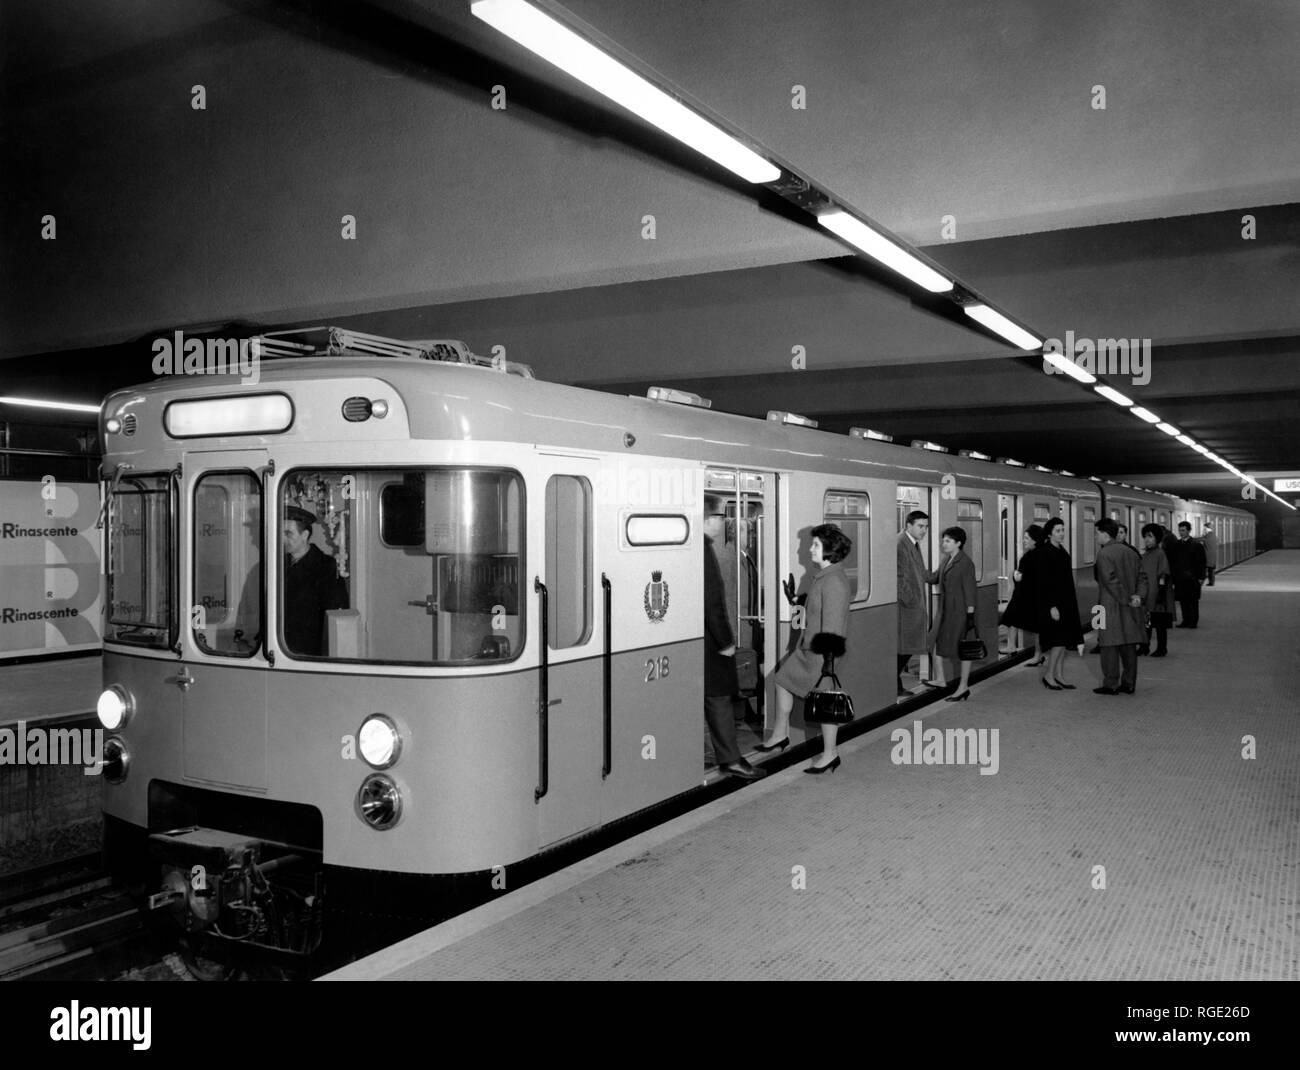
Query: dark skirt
[[1020, 611], [1064, 632]]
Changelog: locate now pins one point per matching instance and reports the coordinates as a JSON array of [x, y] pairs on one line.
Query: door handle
[[183, 680]]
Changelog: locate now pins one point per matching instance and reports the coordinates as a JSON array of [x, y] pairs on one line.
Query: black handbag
[[828, 707], [971, 649]]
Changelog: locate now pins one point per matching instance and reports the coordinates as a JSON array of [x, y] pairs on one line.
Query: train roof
[[460, 396]]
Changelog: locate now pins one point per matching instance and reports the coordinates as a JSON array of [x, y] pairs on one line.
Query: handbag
[[971, 649], [828, 707]]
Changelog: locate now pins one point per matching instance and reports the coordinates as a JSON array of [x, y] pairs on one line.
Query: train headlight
[[379, 802], [380, 741], [116, 760], [114, 707]]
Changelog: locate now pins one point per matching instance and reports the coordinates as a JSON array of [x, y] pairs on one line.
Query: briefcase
[[831, 706], [972, 649], [746, 669]]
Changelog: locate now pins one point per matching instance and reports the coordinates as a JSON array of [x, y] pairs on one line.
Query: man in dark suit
[[1188, 567], [311, 587], [720, 654], [913, 617], [1211, 543]]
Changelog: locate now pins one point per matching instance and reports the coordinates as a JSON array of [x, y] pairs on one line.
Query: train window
[[850, 511], [140, 561], [568, 560], [645, 529], [1042, 511], [1088, 536], [970, 518], [226, 617], [910, 500], [401, 512], [403, 566]]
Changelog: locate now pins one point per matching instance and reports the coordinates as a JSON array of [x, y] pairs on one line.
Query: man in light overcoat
[[1121, 592]]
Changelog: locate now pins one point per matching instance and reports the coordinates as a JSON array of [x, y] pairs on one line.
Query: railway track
[[66, 921]]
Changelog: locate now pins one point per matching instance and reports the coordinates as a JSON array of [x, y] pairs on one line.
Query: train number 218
[[656, 668]]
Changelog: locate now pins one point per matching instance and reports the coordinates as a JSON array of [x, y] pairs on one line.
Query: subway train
[[497, 646]]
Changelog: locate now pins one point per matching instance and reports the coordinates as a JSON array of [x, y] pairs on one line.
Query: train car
[[481, 635]]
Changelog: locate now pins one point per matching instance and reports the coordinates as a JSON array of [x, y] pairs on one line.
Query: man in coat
[[913, 617], [720, 653], [1188, 567], [1211, 543], [312, 587], [1121, 592]]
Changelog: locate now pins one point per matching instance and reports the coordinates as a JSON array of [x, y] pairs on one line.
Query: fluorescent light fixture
[[38, 403], [1063, 363], [1203, 450], [578, 57], [1185, 440], [1145, 414], [1000, 325], [1168, 429], [254, 414], [878, 247], [1113, 395]]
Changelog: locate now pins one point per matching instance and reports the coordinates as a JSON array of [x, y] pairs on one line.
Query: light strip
[[1056, 360], [878, 247], [1113, 395], [1186, 441], [1170, 429], [1144, 414], [1000, 325], [1202, 450], [37, 403], [578, 57]]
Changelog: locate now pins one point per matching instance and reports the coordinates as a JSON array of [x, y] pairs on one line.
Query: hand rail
[[607, 658], [543, 696]]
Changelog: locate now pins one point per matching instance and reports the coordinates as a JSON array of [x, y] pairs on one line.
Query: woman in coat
[[956, 579], [1160, 591], [1020, 610], [825, 624], [1056, 604]]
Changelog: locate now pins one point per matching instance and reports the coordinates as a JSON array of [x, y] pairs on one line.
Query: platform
[[50, 690], [938, 871]]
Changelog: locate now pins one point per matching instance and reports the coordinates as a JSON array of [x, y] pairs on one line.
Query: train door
[[746, 555], [224, 620], [1008, 555], [572, 758], [910, 499]]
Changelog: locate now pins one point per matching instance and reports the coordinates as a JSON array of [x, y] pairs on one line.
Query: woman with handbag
[[1056, 603], [956, 578], [825, 624]]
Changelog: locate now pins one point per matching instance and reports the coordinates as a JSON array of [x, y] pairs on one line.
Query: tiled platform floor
[[940, 872]]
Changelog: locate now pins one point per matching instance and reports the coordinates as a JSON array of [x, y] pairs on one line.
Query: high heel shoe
[[1050, 687], [1033, 664], [1061, 685], [829, 767], [959, 698], [780, 744]]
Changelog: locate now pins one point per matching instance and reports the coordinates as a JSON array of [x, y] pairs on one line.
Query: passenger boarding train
[[500, 646]]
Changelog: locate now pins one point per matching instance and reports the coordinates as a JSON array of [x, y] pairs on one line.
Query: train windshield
[[402, 566], [140, 561]]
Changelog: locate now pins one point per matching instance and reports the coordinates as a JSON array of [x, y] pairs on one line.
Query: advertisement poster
[[49, 567]]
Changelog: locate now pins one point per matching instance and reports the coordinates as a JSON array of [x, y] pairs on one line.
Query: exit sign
[[1286, 486]]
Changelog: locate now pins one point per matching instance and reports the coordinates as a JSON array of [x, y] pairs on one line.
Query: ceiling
[[524, 227]]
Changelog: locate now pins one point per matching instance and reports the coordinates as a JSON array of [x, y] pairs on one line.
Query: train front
[[293, 586]]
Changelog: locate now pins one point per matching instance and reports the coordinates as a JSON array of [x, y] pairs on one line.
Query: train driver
[[311, 586]]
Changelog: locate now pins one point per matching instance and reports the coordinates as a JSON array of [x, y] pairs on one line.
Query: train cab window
[[140, 561], [1088, 536], [226, 617], [850, 511], [410, 566], [970, 518], [1042, 512], [568, 561]]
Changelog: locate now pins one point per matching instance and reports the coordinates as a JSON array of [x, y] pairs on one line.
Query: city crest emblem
[[656, 597]]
